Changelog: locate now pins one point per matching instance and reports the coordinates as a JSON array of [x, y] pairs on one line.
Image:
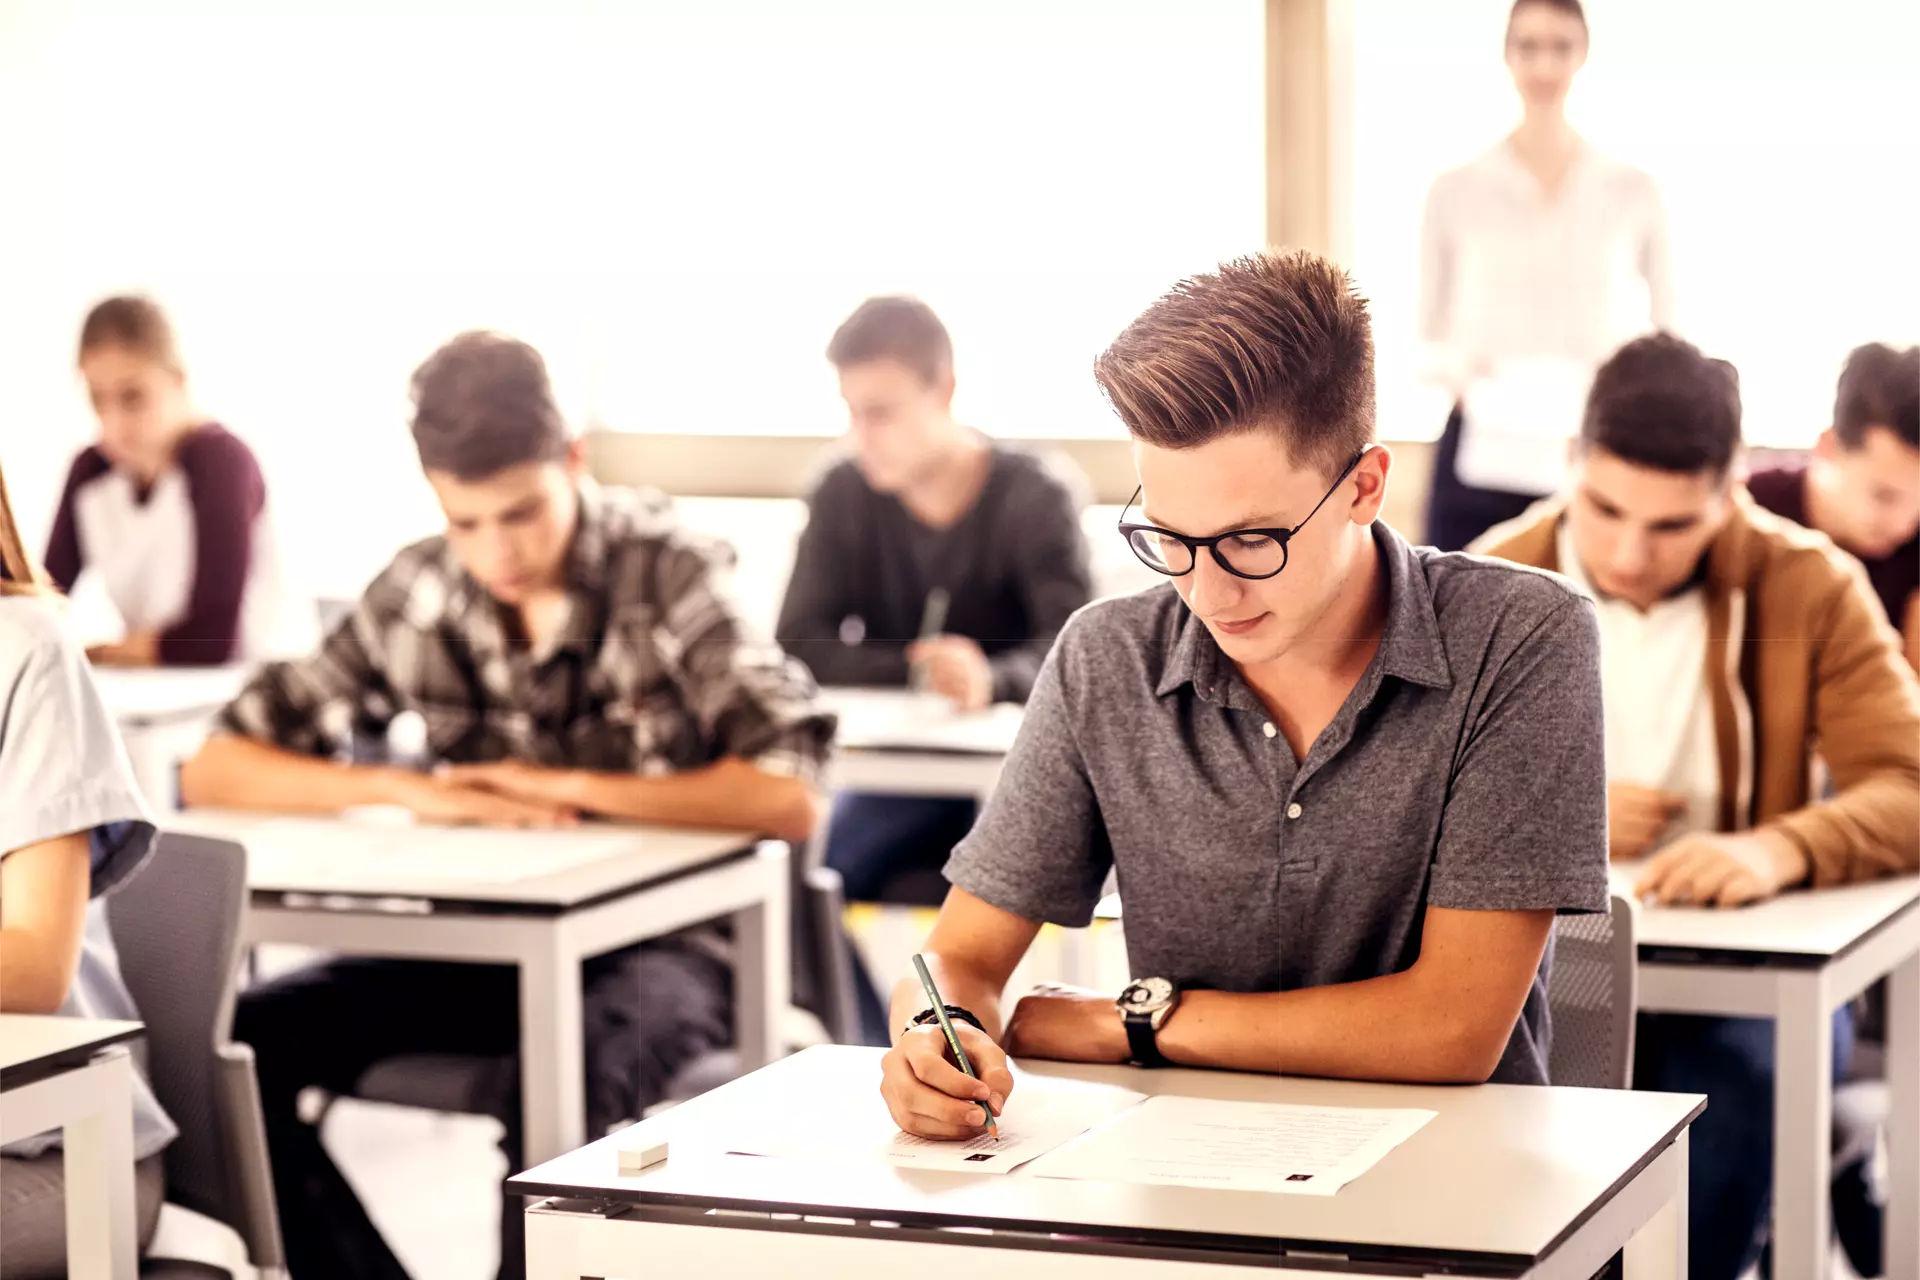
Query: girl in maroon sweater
[[169, 509]]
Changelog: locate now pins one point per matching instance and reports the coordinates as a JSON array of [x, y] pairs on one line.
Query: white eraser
[[642, 1156]]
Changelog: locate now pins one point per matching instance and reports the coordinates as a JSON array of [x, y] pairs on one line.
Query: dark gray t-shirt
[[1014, 568], [1465, 770]]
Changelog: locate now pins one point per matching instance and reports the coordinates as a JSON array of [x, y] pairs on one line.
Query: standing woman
[[1537, 259], [170, 510], [71, 827]]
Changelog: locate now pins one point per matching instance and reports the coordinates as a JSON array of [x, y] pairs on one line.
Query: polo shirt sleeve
[[1525, 823], [1040, 848]]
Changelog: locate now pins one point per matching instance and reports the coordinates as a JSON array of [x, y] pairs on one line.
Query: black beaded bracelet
[[953, 1011]]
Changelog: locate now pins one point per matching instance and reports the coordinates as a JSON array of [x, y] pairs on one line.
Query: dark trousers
[[1730, 1191], [648, 1011], [1457, 513], [891, 848]]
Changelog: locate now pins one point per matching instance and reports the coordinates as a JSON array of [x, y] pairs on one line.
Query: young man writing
[[1734, 645], [572, 655], [925, 509], [1346, 784], [1862, 486]]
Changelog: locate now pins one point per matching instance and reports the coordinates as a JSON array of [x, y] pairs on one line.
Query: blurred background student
[[1861, 487], [1537, 259], [169, 509], [71, 827], [929, 524]]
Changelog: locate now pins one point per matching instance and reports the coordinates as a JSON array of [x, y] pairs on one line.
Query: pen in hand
[[953, 1037]]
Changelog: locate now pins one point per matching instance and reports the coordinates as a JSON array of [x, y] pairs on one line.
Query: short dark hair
[[1659, 402], [1278, 340], [894, 327], [1879, 387], [1571, 8], [134, 322], [483, 403]]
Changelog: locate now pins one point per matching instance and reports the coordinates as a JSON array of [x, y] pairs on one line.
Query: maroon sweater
[[227, 493]]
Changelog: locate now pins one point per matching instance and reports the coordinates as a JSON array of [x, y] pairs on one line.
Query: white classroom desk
[[1506, 1180], [1796, 959], [163, 714], [895, 742], [75, 1075], [542, 900]]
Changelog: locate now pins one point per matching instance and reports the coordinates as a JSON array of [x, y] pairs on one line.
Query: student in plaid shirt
[[572, 654]]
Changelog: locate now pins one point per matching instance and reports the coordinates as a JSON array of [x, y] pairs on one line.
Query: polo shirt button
[[1268, 729], [1293, 811]]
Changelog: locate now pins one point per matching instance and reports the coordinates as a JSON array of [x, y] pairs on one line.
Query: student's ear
[[576, 461], [1826, 445], [943, 390], [1370, 484]]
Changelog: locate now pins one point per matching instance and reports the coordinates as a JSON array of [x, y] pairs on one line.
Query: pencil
[[953, 1037]]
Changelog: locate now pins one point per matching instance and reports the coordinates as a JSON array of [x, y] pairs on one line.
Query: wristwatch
[[1145, 1006]]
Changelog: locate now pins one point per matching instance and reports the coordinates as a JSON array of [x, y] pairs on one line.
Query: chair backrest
[[822, 951], [1592, 996], [177, 926]]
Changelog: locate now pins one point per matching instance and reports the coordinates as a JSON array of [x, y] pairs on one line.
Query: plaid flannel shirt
[[650, 671]]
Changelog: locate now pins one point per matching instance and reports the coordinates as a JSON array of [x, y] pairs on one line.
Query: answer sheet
[[1239, 1146], [1041, 1114]]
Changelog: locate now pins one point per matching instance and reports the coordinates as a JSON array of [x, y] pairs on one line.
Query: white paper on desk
[[1239, 1146], [1041, 1114], [1518, 421], [298, 848]]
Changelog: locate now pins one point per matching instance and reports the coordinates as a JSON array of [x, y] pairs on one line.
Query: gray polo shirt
[[1466, 770]]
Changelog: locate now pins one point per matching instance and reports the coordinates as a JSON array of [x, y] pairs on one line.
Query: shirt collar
[[1410, 645]]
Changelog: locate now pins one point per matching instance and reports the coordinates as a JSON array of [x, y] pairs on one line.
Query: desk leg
[[1802, 1127], [553, 1101], [99, 1177], [1659, 1250], [765, 959], [1903, 1122]]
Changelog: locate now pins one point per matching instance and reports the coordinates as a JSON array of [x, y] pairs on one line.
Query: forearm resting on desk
[[1445, 1020], [730, 793], [230, 771]]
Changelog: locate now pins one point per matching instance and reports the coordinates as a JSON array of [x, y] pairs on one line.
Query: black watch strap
[[954, 1012], [1142, 1042]]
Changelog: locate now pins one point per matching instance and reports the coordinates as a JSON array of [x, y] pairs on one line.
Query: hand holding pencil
[[929, 1093]]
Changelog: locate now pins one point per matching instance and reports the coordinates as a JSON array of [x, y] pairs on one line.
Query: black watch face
[[1143, 995]]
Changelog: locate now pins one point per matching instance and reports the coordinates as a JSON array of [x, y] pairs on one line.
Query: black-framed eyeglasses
[[1244, 553]]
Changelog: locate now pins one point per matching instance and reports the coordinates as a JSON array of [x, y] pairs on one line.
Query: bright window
[[677, 202]]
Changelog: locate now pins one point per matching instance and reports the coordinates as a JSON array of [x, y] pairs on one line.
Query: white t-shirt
[[1653, 684], [1543, 288]]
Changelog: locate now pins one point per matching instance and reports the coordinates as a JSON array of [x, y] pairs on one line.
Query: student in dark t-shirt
[[924, 505], [1862, 485]]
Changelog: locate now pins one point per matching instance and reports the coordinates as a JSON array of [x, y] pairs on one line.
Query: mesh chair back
[[1591, 997]]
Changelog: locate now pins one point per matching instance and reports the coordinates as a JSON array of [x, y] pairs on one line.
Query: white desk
[[899, 743], [75, 1075], [1796, 959], [1506, 1180], [542, 900], [163, 714]]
